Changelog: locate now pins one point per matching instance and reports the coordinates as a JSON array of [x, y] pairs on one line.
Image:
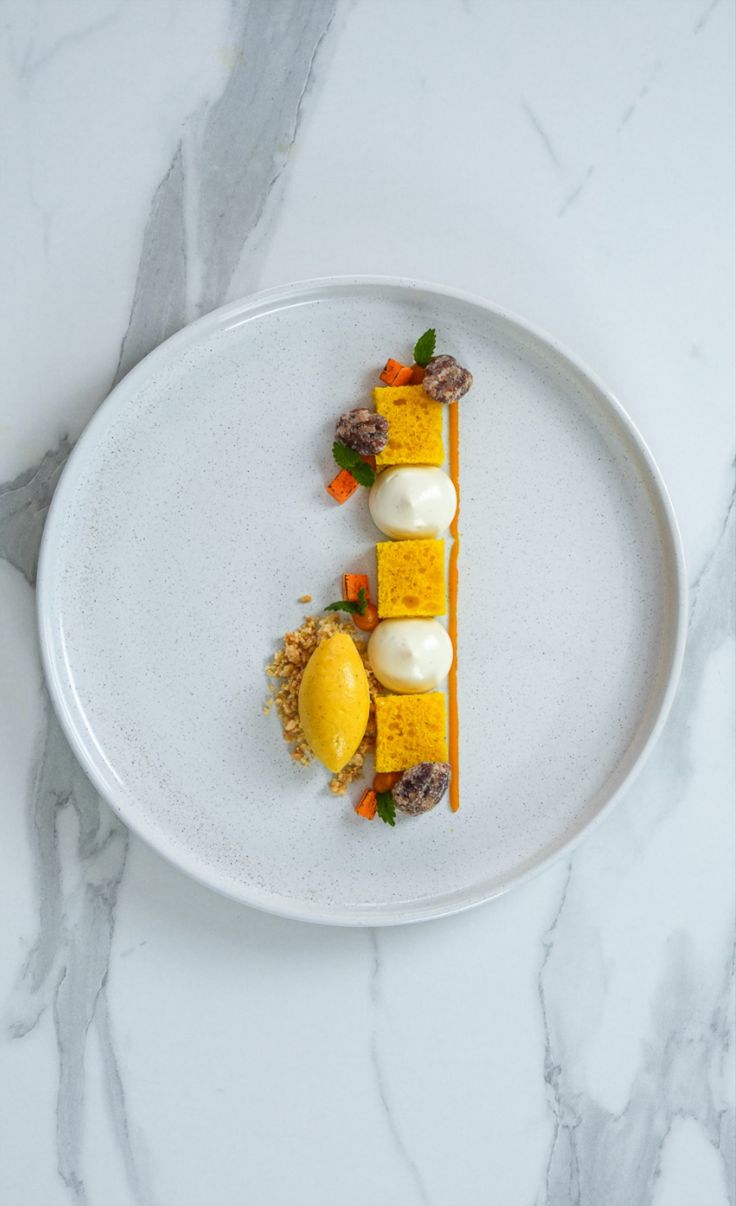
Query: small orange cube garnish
[[367, 804], [396, 373], [343, 486], [352, 583]]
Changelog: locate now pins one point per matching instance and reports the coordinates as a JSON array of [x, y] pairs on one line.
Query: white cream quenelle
[[412, 502], [410, 655]]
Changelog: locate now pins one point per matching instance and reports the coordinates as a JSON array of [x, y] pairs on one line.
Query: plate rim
[[348, 915]]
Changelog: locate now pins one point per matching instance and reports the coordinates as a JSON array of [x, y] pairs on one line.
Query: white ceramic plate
[[191, 517]]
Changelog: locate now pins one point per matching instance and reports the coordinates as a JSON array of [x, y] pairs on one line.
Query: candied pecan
[[445, 380], [362, 430], [421, 787]]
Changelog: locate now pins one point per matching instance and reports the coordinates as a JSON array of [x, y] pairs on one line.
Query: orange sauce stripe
[[454, 409]]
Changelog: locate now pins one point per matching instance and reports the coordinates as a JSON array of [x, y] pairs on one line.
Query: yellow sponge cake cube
[[411, 578], [414, 426], [410, 729]]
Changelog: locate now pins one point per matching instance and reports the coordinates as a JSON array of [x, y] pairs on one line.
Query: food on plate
[[445, 379], [411, 578], [353, 584], [424, 348], [385, 780], [396, 373], [366, 806], [410, 729], [385, 807], [362, 430], [334, 701], [368, 619], [410, 502], [415, 423], [340, 697], [355, 470], [343, 486], [355, 600], [286, 670], [421, 787], [409, 656]]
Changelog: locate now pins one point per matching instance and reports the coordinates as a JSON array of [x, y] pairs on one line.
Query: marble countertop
[[570, 1043]]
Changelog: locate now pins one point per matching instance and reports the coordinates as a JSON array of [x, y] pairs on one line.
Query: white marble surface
[[572, 1042]]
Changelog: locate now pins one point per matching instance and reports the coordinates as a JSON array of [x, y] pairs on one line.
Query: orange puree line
[[452, 610]]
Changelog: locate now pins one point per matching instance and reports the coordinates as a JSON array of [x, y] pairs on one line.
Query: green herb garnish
[[355, 606], [348, 458], [385, 807], [424, 347]]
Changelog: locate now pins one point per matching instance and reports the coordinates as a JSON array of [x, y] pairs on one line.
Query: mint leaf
[[363, 474], [424, 347], [385, 807], [348, 458], [354, 606], [345, 457]]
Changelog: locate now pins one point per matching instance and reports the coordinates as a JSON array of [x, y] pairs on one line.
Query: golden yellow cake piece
[[411, 578], [410, 729], [414, 426]]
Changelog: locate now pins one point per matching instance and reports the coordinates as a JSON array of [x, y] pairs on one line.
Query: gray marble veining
[[573, 196], [422, 1194], [214, 193], [35, 58], [159, 301], [236, 153], [68, 965], [596, 1155], [247, 135], [541, 133], [24, 504], [250, 130]]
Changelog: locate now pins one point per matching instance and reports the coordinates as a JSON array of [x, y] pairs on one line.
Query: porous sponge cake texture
[[411, 578], [410, 729], [414, 424]]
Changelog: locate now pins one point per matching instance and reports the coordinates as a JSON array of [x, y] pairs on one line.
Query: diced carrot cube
[[343, 486], [367, 804], [396, 373], [352, 583]]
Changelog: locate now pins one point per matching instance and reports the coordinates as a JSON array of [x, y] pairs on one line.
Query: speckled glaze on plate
[[192, 516]]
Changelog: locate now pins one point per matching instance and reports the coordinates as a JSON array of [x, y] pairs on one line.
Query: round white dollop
[[410, 655], [412, 502]]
